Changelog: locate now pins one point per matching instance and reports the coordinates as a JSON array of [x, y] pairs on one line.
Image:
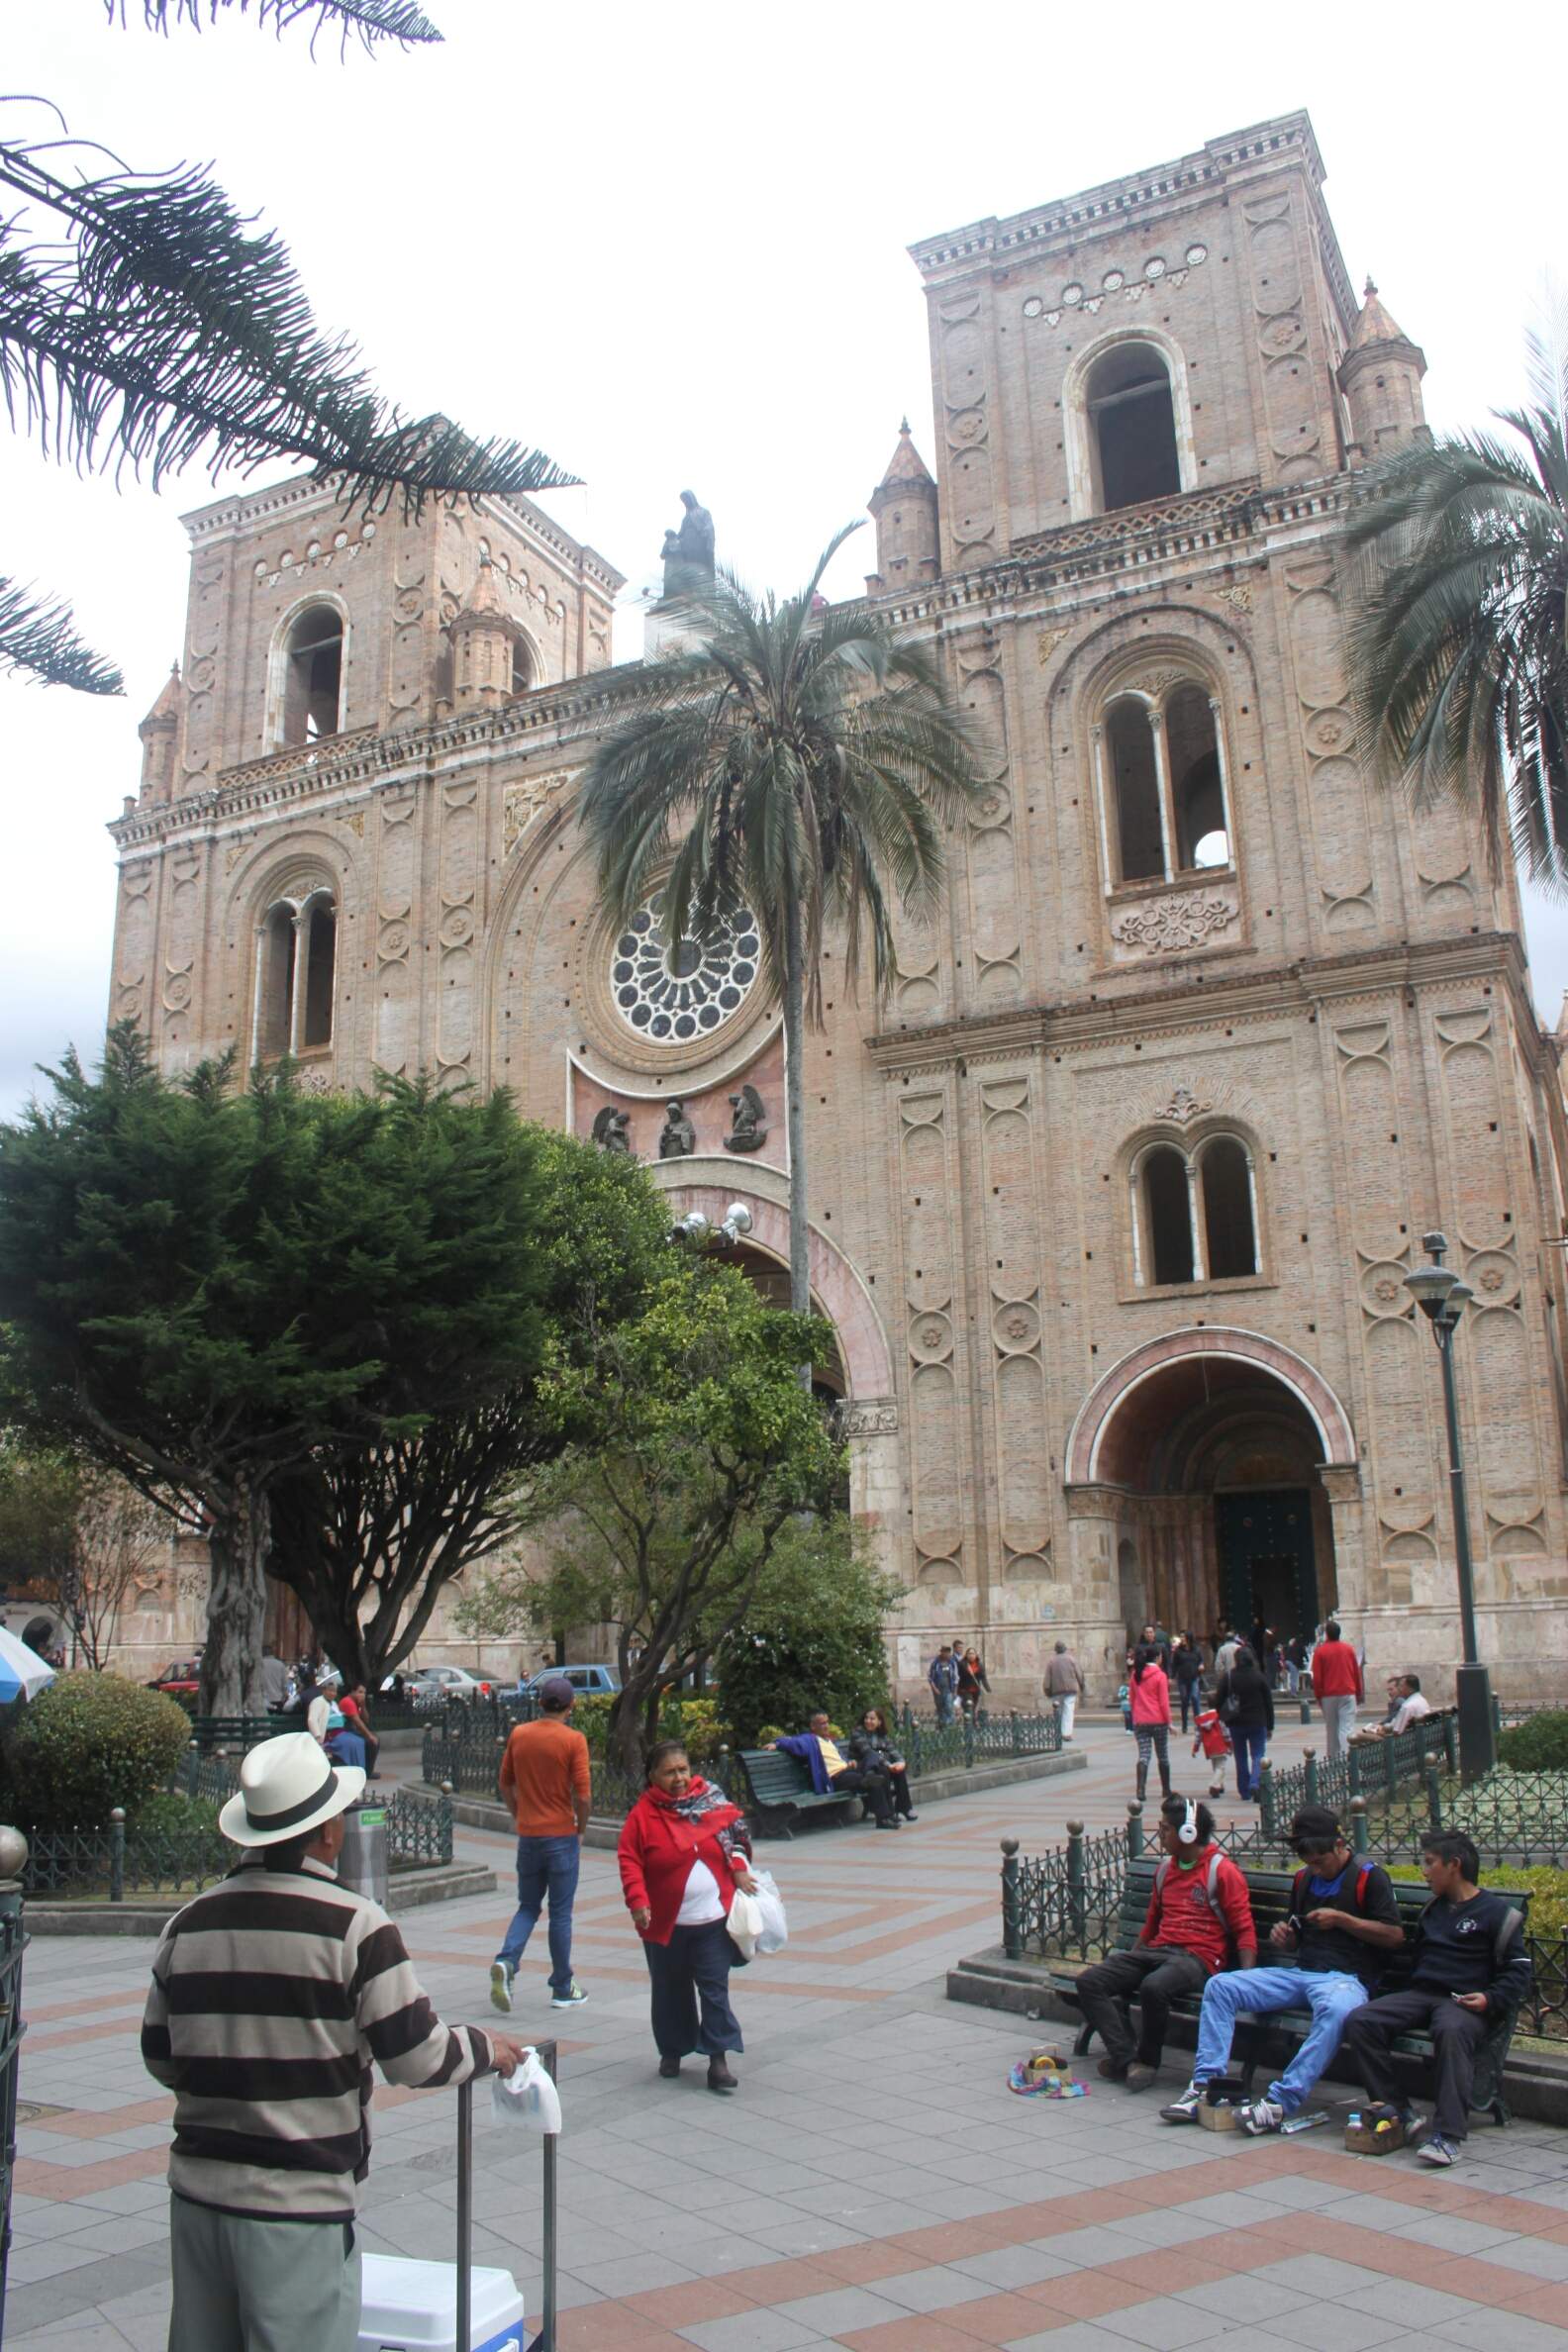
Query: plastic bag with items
[[527, 2096], [773, 1933]]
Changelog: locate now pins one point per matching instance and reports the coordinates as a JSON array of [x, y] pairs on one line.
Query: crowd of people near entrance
[[1340, 1937]]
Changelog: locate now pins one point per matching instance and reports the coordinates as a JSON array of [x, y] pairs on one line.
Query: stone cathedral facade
[[1115, 1198]]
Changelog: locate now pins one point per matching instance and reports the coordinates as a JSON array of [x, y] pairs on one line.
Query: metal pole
[[464, 2217], [1472, 1683], [546, 2337]]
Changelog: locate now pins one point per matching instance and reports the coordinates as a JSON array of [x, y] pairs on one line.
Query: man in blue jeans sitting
[[544, 1776], [1342, 1918]]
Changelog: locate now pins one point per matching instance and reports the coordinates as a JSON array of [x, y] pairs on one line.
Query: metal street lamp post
[[1443, 1298]]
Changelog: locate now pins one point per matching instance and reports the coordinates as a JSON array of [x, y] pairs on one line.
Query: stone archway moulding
[[711, 1185], [1106, 1399]]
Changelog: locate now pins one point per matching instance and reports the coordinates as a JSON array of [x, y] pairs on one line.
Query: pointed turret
[[904, 505], [489, 648], [1380, 377], [161, 739]]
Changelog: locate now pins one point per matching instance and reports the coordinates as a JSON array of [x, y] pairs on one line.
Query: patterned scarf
[[701, 1800]]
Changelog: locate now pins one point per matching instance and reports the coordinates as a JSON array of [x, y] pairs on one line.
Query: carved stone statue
[[611, 1131], [677, 1136], [746, 1132], [689, 551]]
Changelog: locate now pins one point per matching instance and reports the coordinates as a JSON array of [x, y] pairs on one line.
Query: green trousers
[[242, 2286]]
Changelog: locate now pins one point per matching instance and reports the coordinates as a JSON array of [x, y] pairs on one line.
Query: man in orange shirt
[[545, 1779]]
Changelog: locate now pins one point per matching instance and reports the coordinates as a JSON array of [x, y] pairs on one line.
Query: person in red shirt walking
[[1149, 1702], [544, 1778], [684, 1850], [1198, 1921], [1337, 1688]]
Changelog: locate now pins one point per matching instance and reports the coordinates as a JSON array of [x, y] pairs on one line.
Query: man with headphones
[[1199, 1921]]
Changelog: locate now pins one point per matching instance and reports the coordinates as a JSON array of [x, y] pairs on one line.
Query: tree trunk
[[237, 1544], [795, 1116]]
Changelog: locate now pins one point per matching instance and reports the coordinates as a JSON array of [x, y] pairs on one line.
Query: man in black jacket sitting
[[1471, 1967]]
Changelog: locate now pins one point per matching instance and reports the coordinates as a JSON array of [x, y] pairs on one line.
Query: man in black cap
[[545, 1779]]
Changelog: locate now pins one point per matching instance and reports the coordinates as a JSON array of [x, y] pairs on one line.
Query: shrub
[[90, 1742], [1546, 1887], [813, 1638], [1539, 1744]]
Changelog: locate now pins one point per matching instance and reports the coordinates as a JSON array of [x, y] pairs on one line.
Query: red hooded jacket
[[658, 1847]]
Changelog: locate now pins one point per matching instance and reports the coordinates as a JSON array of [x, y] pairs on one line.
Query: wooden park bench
[[1273, 2037], [781, 1793], [240, 1732]]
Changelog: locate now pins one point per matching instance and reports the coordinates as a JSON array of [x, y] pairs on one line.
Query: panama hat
[[287, 1786]]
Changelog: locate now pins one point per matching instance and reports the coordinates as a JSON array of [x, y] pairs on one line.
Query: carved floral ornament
[[877, 1416], [1114, 286], [1173, 925], [522, 802], [1182, 1108]]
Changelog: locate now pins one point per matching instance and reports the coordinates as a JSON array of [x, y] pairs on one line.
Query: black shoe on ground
[[718, 2076], [669, 2068]]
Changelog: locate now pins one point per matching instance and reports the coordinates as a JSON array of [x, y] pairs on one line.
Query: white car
[[447, 1682]]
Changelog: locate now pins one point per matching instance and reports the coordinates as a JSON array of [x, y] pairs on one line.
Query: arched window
[[522, 667], [1162, 780], [313, 662], [1138, 824], [296, 975], [1195, 1212], [1131, 427]]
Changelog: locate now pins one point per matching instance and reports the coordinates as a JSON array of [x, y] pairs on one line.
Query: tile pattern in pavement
[[873, 2184]]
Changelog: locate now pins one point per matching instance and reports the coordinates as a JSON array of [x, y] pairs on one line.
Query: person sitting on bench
[[829, 1768], [1198, 1917], [1342, 1914], [1471, 1967]]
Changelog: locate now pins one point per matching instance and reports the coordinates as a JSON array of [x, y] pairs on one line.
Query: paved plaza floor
[[873, 2183]]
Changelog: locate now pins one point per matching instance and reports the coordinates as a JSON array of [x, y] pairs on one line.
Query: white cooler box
[[412, 2307]]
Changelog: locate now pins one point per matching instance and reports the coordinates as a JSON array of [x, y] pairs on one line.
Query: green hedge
[[1546, 1887], [87, 1743], [696, 1721], [1539, 1744]]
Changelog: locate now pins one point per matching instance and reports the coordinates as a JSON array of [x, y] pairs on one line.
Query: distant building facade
[[1115, 1198]]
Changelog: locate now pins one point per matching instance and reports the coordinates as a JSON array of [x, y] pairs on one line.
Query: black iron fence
[[987, 1739], [13, 1941]]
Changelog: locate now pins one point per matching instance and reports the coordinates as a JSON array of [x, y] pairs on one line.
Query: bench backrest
[[776, 1779]]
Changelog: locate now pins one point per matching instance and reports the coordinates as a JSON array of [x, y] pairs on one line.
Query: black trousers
[[1456, 2032], [872, 1786], [1154, 1978], [1188, 1692], [691, 1992]]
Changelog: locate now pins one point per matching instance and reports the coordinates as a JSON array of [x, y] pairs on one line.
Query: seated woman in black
[[871, 1747]]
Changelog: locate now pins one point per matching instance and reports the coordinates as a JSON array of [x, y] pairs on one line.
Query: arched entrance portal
[[1208, 1449]]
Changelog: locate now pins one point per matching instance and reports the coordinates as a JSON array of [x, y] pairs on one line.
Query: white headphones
[[1187, 1834]]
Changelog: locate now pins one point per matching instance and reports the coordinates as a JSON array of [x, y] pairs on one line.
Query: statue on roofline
[[689, 551]]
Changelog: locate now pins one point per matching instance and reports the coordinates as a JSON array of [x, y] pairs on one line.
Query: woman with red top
[[683, 1853], [1148, 1698]]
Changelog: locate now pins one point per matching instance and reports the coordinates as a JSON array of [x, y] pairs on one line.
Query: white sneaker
[[501, 1987], [1185, 2108], [1258, 2116], [573, 1998]]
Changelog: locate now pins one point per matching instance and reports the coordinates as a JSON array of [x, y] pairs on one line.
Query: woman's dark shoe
[[669, 2068], [887, 1824], [912, 1817], [718, 2076]]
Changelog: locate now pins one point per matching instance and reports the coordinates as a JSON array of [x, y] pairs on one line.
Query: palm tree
[[798, 759], [1459, 635]]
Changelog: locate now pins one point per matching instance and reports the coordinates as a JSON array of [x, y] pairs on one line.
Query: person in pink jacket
[[1148, 1696]]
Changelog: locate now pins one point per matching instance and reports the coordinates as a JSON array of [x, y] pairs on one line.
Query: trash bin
[[363, 1864]]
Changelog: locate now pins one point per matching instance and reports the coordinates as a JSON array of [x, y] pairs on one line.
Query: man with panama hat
[[272, 1994]]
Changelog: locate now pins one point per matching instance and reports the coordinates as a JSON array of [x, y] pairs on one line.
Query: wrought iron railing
[[13, 1942], [990, 1739]]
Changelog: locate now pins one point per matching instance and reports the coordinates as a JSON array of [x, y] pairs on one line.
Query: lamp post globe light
[[1443, 1298]]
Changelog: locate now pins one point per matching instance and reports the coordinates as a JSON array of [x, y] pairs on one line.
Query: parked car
[[445, 1681], [581, 1678], [180, 1681]]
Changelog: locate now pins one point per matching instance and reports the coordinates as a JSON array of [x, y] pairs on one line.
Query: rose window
[[683, 991]]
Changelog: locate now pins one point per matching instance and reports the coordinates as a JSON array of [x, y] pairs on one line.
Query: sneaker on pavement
[[501, 1987], [1435, 2149], [573, 1998], [1185, 2108], [1258, 2116]]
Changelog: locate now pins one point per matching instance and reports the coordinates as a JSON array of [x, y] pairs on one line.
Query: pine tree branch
[[161, 331], [371, 20], [40, 638]]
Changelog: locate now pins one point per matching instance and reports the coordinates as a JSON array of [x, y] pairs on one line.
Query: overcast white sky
[[669, 245]]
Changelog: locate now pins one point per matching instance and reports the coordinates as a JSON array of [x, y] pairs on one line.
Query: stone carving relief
[[1048, 641], [1171, 926], [181, 934], [1008, 1147], [991, 866], [1335, 794], [208, 578], [407, 682], [1115, 286], [521, 802], [929, 1188], [970, 505], [460, 863], [872, 1417], [1289, 389], [1183, 1107], [1398, 1375], [394, 1015], [1238, 597], [134, 942], [329, 555]]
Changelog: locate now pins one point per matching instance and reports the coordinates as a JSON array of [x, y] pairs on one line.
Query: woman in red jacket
[[683, 1853], [1148, 1698]]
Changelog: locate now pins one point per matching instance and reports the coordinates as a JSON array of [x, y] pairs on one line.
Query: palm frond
[[161, 329], [369, 21], [39, 639]]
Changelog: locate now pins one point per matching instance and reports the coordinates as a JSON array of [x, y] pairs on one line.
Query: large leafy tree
[[145, 323], [803, 760], [370, 1537], [696, 1450], [1460, 637], [203, 1290]]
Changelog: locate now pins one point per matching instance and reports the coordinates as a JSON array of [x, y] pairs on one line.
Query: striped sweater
[[271, 1994]]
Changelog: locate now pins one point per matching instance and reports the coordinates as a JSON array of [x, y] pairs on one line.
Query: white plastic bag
[[527, 2096], [773, 1933], [744, 1924]]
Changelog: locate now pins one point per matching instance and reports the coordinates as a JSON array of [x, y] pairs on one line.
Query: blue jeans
[[1249, 1741], [1330, 1996], [547, 1871]]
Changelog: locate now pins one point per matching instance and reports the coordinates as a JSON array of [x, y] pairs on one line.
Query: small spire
[[1375, 325], [906, 464]]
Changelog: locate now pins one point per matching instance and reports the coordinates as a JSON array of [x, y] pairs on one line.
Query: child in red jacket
[[1215, 1741]]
